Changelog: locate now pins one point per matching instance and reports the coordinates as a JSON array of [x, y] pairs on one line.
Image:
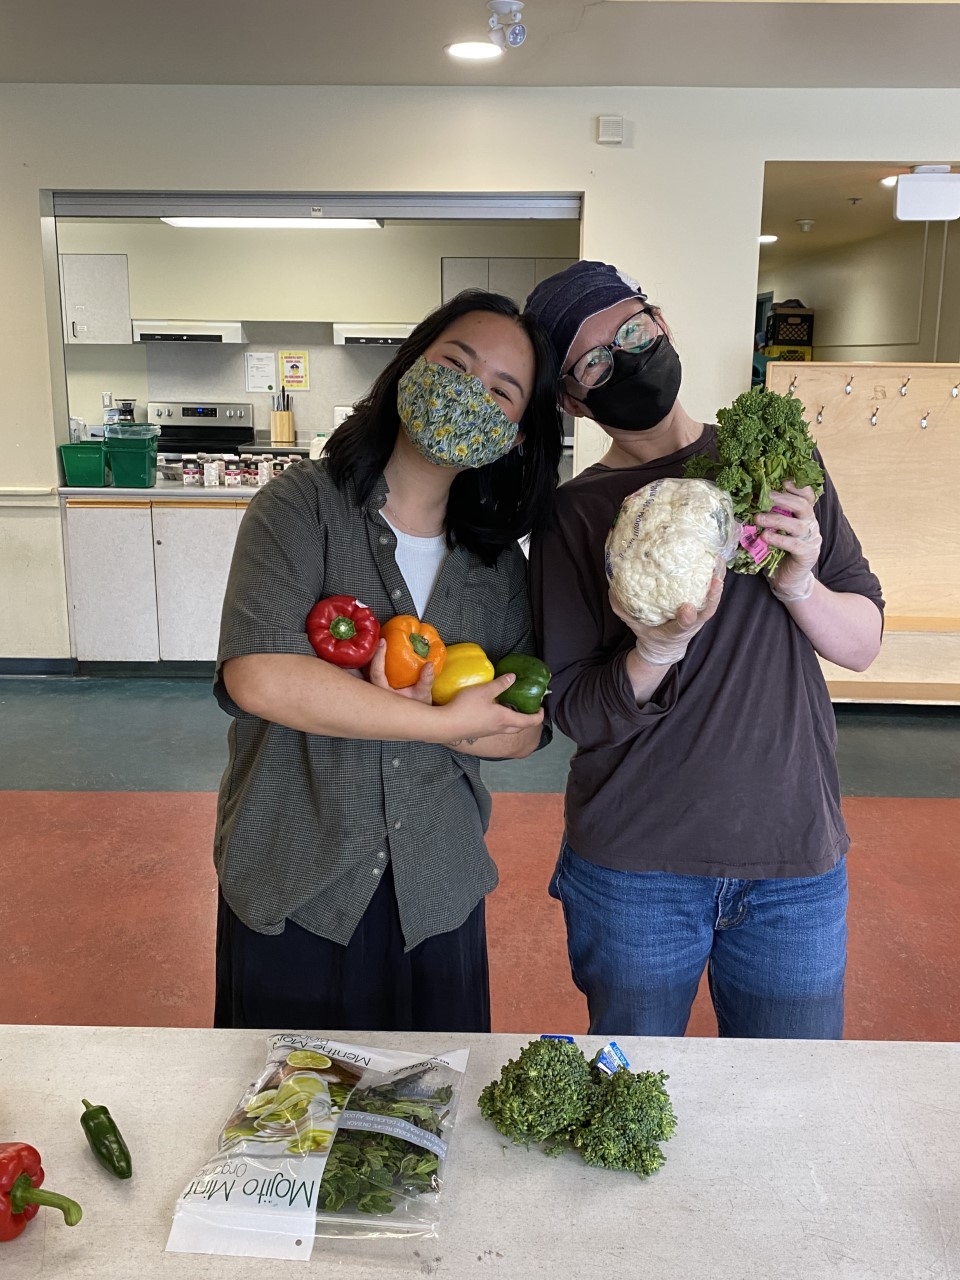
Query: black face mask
[[641, 391]]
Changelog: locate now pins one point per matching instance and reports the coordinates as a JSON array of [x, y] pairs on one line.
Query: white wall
[[183, 273], [680, 209], [892, 297]]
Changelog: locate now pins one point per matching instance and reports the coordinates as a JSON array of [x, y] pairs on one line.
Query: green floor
[[63, 734]]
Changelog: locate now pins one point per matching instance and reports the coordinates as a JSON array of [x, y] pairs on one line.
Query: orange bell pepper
[[411, 644]]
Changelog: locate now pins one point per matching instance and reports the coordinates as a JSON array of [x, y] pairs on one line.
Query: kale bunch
[[763, 441], [542, 1096], [630, 1119], [551, 1094]]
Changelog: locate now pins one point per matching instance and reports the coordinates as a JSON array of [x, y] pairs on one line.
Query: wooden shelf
[[919, 693]]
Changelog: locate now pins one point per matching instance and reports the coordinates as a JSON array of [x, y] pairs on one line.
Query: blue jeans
[[775, 950]]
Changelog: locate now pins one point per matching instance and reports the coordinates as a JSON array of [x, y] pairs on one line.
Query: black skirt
[[298, 981]]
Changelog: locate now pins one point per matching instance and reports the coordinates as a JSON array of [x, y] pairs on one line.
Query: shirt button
[[382, 856], [395, 762], [376, 871], [396, 825], [395, 595], [384, 539]]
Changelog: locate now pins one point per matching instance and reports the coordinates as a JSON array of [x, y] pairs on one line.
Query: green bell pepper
[[531, 685]]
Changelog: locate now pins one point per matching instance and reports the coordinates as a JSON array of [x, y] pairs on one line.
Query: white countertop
[[793, 1160], [162, 489]]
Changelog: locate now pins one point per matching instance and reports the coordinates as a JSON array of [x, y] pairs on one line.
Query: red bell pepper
[[20, 1194], [343, 631]]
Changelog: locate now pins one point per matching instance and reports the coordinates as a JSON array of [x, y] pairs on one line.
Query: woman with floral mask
[[350, 826]]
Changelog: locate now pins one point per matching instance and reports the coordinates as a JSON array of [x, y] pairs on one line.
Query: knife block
[[281, 427]]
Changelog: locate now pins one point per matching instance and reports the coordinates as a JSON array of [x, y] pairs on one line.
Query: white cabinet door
[[514, 277], [95, 295], [193, 546], [112, 591], [457, 274], [550, 266]]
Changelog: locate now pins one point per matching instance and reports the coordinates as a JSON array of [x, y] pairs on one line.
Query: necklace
[[418, 533]]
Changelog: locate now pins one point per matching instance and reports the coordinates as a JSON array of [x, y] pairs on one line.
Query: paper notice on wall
[[260, 370], [294, 370]]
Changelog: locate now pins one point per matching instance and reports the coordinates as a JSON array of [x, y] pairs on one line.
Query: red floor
[[108, 906]]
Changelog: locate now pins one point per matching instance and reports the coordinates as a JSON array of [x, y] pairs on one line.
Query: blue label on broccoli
[[612, 1058]]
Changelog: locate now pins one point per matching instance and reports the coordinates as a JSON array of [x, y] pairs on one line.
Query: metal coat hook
[[923, 421], [793, 385], [873, 416], [849, 387], [903, 389], [956, 391], [820, 415]]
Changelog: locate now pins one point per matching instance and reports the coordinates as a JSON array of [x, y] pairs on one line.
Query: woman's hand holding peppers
[[422, 691], [474, 714]]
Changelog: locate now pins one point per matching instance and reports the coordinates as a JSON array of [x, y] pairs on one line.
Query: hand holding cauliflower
[[664, 547]]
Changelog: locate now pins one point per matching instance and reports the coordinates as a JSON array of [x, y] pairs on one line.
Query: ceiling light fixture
[[283, 224], [767, 239], [506, 34], [474, 50], [806, 224]]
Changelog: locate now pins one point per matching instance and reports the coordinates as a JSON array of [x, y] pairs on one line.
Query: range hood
[[188, 331], [370, 335]]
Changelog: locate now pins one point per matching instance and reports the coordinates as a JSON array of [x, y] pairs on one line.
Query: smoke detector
[[806, 224]]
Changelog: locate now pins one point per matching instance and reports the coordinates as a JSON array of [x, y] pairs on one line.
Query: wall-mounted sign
[[260, 370], [294, 370]]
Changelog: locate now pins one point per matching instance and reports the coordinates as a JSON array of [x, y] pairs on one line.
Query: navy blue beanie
[[564, 301]]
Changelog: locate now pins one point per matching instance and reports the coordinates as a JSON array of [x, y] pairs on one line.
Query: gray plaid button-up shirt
[[306, 824]]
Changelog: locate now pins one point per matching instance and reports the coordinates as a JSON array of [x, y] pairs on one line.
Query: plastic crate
[[133, 461], [788, 353], [85, 464], [791, 327]]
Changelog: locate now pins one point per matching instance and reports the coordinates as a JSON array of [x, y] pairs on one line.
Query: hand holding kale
[[763, 441], [551, 1094]]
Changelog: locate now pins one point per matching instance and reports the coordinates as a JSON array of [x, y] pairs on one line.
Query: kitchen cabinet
[[113, 602], [192, 549], [95, 298], [514, 277], [146, 576]]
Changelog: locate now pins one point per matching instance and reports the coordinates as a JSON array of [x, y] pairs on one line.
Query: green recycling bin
[[131, 449], [85, 464]]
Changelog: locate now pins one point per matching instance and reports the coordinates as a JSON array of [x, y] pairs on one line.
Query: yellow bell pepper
[[465, 665]]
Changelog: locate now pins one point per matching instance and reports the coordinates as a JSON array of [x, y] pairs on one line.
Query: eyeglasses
[[595, 366]]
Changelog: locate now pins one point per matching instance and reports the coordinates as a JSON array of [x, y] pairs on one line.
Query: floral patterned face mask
[[451, 418]]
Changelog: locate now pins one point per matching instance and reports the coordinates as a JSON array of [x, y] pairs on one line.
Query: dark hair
[[489, 507]]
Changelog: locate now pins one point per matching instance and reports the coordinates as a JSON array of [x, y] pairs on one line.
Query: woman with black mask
[[703, 823]]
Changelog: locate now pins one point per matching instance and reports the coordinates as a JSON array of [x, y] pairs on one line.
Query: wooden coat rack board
[[890, 438]]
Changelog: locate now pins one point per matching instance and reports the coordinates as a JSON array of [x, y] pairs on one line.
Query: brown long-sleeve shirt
[[729, 768]]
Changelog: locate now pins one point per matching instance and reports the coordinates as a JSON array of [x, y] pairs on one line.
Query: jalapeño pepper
[[105, 1140], [528, 690]]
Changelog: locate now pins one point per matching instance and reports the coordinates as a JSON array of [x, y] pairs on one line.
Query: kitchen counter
[[162, 489], [791, 1159]]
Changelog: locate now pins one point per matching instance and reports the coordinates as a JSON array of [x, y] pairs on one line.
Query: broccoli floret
[[631, 1117], [542, 1095]]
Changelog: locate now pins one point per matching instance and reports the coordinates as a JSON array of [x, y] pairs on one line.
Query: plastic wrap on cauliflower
[[662, 549]]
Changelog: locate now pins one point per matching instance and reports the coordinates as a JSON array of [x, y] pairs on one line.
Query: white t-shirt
[[419, 560]]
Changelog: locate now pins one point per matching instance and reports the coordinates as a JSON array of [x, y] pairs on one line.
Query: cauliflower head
[[664, 544]]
